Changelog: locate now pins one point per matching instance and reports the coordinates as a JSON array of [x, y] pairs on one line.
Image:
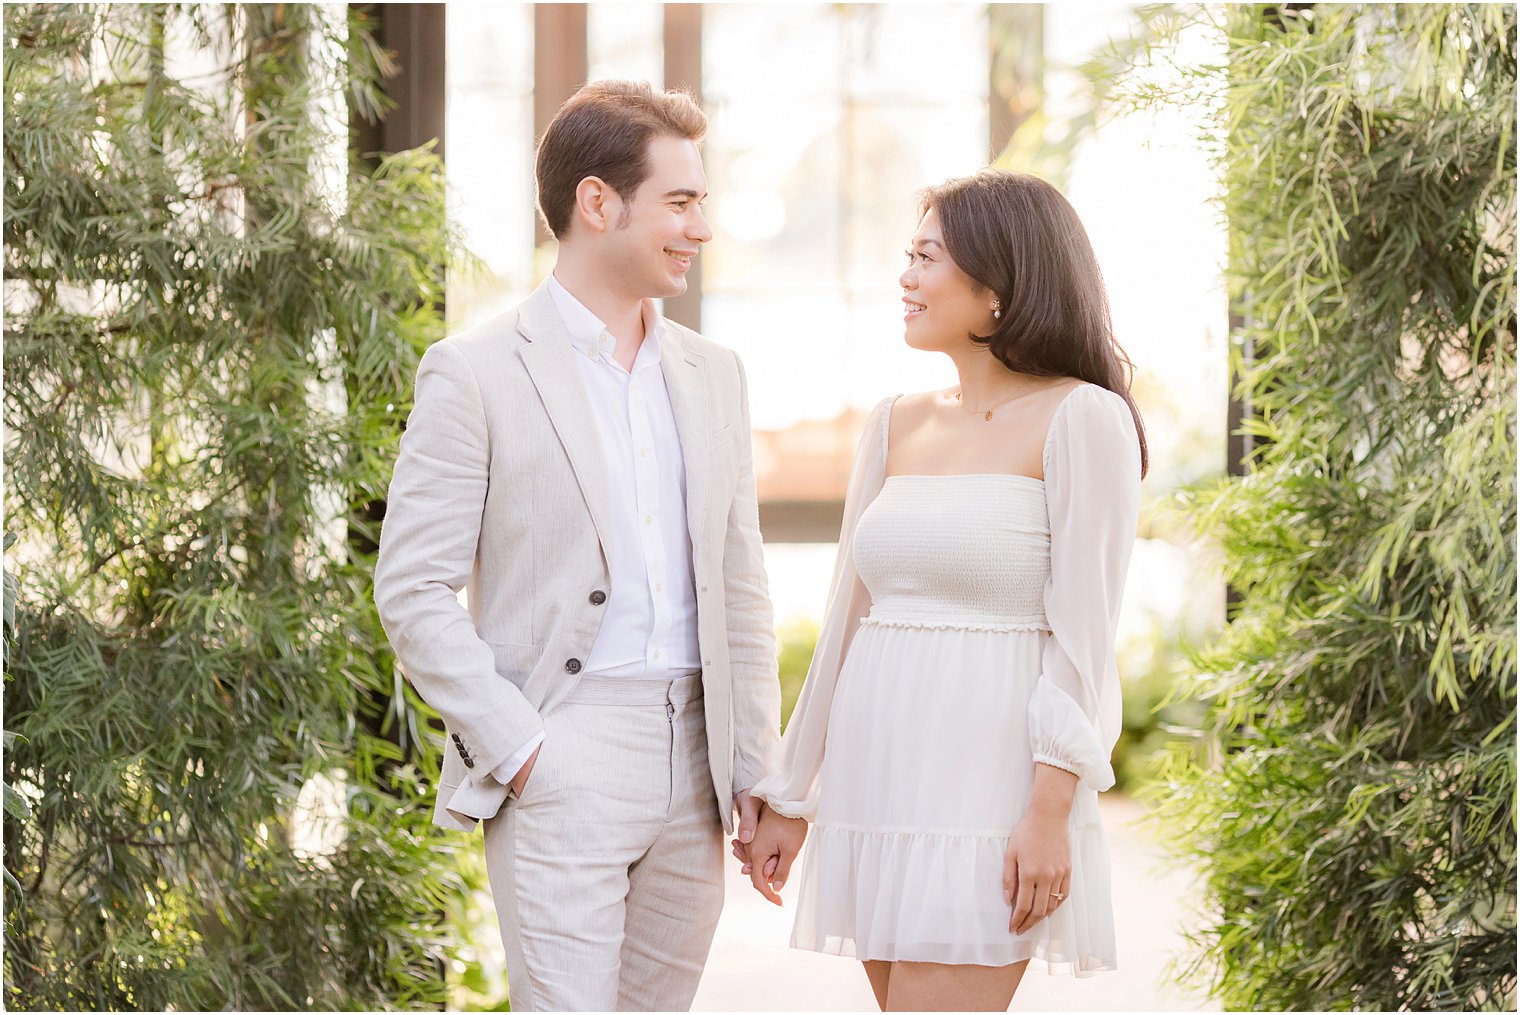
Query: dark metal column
[[414, 33]]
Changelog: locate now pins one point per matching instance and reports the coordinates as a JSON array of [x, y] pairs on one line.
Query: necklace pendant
[[989, 416]]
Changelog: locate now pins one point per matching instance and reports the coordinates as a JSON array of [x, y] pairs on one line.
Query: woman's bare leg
[[933, 986], [880, 975]]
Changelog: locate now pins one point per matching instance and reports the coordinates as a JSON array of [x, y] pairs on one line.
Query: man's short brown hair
[[604, 130]]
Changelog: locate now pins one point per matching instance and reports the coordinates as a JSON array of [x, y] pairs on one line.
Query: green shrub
[[1352, 800], [204, 350]]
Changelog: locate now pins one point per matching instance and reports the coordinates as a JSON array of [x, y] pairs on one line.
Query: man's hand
[[521, 778], [749, 819], [771, 853]]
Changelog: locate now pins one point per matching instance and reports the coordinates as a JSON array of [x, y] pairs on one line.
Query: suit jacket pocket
[[722, 435], [514, 661]]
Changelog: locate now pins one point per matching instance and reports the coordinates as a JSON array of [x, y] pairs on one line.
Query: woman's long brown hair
[[1015, 235]]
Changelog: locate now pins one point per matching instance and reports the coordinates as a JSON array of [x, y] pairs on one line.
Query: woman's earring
[[997, 311]]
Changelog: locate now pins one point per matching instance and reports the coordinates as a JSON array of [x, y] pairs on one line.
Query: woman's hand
[[1037, 864], [1036, 869], [768, 860]]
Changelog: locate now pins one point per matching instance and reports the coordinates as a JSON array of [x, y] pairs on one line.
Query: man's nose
[[699, 231]]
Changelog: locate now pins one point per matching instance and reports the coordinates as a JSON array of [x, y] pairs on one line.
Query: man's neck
[[623, 316]]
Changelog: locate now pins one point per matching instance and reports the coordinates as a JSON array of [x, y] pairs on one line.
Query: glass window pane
[[827, 119], [489, 125], [626, 41]]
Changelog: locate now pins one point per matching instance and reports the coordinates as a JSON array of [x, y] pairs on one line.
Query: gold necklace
[[987, 414]]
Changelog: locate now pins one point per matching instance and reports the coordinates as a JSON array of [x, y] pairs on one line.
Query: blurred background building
[[825, 122]]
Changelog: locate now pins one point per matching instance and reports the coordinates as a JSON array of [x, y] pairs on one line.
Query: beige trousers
[[607, 872]]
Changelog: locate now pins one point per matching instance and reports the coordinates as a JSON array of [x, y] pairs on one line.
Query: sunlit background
[[825, 121]]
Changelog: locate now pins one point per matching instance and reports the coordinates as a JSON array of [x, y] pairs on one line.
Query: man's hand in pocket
[[520, 780]]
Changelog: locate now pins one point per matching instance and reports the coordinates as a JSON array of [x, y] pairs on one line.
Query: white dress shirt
[[650, 628]]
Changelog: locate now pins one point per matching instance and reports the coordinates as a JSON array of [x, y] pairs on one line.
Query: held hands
[[768, 852], [749, 821]]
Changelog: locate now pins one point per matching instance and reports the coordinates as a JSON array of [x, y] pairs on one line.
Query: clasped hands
[[767, 845], [1036, 863]]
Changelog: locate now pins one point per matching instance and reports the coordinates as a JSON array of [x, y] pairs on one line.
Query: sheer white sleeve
[[1092, 492], [792, 787]]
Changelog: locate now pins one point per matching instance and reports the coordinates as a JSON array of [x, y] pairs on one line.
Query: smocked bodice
[[961, 550]]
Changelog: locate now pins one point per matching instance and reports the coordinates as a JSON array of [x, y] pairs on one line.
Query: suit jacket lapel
[[549, 358], [682, 368]]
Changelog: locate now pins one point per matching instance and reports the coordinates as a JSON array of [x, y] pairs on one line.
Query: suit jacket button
[[463, 754], [572, 666], [598, 597]]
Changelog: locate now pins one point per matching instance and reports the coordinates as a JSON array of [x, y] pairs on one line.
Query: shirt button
[[659, 587], [643, 452], [572, 666], [657, 653], [649, 519], [598, 597]]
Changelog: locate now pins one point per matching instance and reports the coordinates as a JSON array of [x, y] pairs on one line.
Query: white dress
[[968, 636]]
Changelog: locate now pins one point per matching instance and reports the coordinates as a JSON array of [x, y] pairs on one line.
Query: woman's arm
[[791, 788], [1092, 491]]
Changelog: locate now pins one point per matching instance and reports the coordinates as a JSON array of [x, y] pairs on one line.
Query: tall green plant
[[208, 330], [1352, 805]]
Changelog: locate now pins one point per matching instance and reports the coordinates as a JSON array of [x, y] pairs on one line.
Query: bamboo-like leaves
[[207, 351], [1352, 799]]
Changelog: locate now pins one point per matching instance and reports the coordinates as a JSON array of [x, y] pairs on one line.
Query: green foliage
[[1155, 713], [17, 808], [795, 642], [1352, 797], [206, 335], [478, 976]]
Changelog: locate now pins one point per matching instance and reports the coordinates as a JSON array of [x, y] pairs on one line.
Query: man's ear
[[597, 204]]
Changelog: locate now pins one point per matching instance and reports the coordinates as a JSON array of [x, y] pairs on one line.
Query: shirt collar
[[587, 332]]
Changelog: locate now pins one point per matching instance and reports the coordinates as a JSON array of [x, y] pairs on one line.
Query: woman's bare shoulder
[[918, 404], [913, 408]]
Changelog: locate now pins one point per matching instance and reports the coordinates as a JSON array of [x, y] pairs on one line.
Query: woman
[[962, 702]]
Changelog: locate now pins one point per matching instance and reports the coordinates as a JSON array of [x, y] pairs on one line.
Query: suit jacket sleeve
[[791, 786], [427, 551], [751, 627]]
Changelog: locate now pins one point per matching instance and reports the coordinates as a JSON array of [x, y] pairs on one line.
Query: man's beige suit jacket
[[501, 488]]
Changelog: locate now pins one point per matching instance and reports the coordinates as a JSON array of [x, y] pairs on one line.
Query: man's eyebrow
[[684, 193]]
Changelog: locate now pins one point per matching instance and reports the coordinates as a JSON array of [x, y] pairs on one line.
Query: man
[[584, 467]]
